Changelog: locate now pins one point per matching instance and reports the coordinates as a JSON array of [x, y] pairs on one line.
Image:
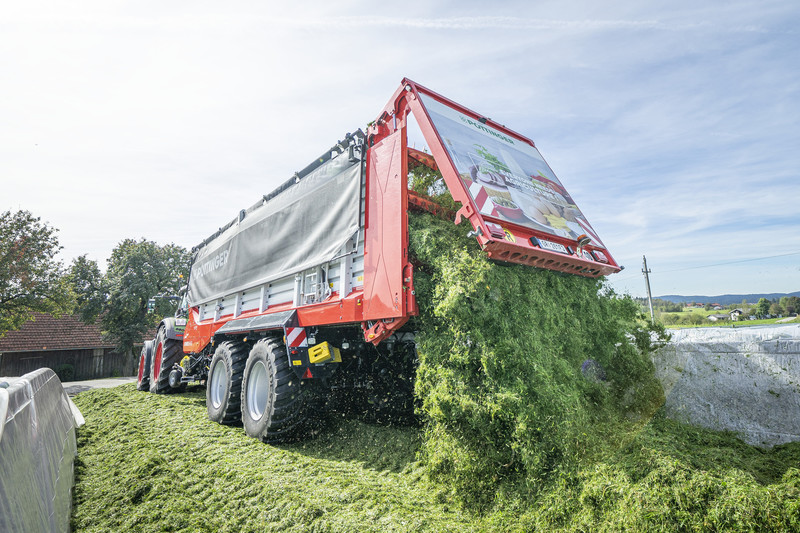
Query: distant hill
[[725, 299]]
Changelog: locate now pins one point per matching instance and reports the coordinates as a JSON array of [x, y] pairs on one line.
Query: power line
[[719, 264]]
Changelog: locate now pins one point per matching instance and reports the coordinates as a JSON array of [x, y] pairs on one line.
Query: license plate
[[552, 246]]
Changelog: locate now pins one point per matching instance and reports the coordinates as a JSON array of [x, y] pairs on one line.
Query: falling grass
[[501, 351]]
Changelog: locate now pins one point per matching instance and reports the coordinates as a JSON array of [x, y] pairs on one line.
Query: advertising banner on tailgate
[[506, 177]]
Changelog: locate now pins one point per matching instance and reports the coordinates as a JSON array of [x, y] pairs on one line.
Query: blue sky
[[674, 125]]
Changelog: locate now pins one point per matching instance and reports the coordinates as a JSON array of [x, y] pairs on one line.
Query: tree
[[31, 279], [790, 304], [89, 287], [137, 271], [762, 307]]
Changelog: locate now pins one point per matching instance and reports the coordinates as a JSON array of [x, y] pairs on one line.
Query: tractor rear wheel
[[166, 353], [145, 360], [224, 383], [276, 405]]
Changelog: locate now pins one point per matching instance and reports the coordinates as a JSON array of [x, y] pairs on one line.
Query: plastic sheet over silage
[[37, 453], [743, 379]]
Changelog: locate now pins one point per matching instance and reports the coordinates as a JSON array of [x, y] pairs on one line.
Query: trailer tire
[[276, 405], [166, 353], [224, 383], [145, 360]]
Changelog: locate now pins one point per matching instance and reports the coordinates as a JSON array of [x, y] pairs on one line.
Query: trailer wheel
[[145, 359], [166, 352], [275, 406], [224, 384]]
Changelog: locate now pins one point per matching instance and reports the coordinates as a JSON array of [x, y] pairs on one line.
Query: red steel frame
[[387, 300], [503, 241]]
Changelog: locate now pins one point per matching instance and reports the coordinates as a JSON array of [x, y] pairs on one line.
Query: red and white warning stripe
[[296, 338], [590, 232], [482, 201]]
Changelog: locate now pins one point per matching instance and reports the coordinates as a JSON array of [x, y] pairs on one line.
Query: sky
[[674, 125]]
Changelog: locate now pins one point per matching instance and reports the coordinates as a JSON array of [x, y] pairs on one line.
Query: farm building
[[73, 349]]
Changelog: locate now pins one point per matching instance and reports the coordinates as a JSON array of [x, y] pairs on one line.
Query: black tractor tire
[[145, 360], [166, 353], [224, 383], [276, 405]]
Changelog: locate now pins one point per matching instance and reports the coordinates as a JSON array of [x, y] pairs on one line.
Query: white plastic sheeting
[[745, 380], [37, 453]]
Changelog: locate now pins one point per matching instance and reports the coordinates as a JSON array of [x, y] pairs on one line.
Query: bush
[[501, 349], [65, 372]]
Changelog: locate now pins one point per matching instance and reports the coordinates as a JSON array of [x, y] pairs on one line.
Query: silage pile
[[523, 372]]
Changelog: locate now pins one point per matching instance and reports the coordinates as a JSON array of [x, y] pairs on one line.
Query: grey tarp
[[37, 453], [304, 226]]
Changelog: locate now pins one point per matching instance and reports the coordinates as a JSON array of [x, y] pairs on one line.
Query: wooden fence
[[81, 364]]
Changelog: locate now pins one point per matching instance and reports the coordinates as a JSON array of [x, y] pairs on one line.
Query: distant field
[[729, 324], [697, 317]]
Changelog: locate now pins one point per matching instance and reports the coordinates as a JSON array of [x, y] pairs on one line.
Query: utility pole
[[646, 271]]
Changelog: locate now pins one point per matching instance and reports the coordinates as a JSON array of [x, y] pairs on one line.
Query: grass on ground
[[156, 463]]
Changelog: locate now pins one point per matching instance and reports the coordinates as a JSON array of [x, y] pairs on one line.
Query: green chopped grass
[[156, 463], [502, 350], [515, 436]]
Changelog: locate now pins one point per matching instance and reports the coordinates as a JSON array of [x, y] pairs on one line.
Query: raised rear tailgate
[[519, 210]]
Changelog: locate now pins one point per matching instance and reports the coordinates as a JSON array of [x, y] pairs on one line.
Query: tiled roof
[[47, 333]]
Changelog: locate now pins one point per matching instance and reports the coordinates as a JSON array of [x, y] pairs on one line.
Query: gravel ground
[[74, 387]]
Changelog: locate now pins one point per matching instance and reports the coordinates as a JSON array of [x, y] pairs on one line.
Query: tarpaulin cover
[[304, 226], [741, 379], [37, 453]]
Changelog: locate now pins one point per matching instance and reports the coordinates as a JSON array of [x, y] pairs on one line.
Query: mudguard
[[174, 327]]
